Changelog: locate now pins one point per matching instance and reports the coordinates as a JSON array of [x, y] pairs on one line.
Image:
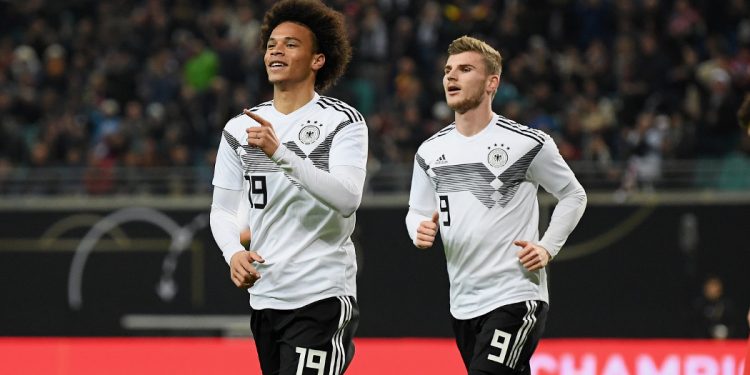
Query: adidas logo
[[441, 160]]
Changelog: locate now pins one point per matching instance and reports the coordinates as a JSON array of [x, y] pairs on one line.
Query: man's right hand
[[241, 269], [426, 232]]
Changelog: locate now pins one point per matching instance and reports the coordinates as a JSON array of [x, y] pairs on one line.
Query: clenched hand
[[426, 232], [532, 256], [241, 269]]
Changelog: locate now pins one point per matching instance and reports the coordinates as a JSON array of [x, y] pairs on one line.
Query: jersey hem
[[485, 310], [294, 305]]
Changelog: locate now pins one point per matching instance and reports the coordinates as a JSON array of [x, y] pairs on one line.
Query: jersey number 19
[[257, 186]]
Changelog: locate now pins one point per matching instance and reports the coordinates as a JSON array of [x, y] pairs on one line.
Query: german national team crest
[[309, 134], [497, 157]]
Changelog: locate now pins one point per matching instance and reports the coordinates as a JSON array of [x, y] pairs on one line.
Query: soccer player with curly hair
[[299, 160]]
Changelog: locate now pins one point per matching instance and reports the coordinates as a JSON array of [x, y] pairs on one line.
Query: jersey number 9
[[444, 207]]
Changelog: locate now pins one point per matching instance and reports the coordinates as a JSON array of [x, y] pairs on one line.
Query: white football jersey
[[306, 244], [485, 189]]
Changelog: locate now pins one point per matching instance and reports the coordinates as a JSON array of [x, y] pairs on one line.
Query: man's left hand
[[532, 256]]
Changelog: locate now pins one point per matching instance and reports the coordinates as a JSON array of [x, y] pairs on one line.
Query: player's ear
[[493, 83], [318, 61]]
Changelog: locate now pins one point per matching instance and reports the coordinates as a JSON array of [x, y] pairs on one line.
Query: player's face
[[466, 82], [290, 57]]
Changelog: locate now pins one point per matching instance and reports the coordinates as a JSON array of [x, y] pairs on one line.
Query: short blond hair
[[492, 58]]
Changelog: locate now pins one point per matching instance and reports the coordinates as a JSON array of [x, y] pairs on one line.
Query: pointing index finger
[[257, 118]]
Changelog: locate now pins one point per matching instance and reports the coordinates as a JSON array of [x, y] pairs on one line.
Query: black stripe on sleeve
[[349, 114], [442, 132], [422, 164], [520, 129], [233, 142]]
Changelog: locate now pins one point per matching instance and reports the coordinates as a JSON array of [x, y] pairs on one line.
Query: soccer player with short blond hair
[[476, 182]]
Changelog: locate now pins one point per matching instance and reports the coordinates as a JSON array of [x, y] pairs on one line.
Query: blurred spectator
[[645, 142], [586, 71], [719, 105], [684, 21], [595, 20], [735, 167], [201, 66], [715, 315], [743, 114]]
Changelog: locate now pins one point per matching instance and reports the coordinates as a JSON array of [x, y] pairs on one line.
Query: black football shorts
[[309, 340], [501, 341]]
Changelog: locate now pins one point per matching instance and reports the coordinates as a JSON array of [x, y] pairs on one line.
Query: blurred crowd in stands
[[623, 84]]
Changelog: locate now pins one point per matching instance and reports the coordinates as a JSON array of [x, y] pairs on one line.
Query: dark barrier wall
[[628, 271]]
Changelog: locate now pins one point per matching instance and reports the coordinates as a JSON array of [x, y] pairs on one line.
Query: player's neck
[[474, 120], [289, 99]]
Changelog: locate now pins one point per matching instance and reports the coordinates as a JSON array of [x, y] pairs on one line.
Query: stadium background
[[110, 114]]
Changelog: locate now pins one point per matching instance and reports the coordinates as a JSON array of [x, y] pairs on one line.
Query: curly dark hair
[[326, 24]]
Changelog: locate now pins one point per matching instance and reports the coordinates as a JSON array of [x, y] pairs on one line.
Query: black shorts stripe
[[339, 352], [529, 320]]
